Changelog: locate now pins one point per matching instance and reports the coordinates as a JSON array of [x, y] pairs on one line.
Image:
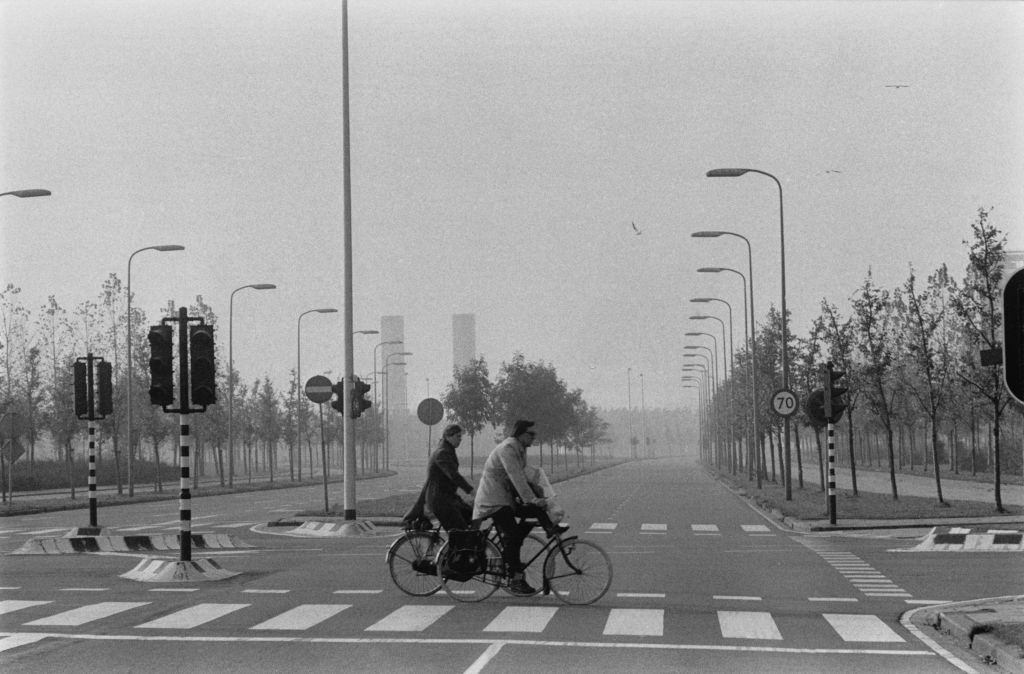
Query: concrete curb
[[349, 528], [151, 570], [967, 631], [81, 544], [959, 539]]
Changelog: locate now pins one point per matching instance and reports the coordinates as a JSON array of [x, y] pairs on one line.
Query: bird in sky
[[896, 86], [832, 171], [635, 228]]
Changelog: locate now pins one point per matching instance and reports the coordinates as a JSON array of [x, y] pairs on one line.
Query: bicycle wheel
[[410, 561], [533, 572], [481, 585], [578, 572]]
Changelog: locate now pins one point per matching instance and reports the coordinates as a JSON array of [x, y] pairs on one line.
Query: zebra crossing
[[660, 528], [424, 618]]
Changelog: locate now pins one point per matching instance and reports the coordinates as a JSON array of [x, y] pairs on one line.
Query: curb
[[959, 539], [81, 544], [973, 635], [151, 570]]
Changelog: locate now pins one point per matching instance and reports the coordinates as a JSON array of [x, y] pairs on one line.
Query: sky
[[538, 164]]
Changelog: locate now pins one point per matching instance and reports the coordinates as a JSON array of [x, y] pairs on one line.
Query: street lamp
[[733, 173], [732, 370], [387, 392], [750, 335], [231, 378], [375, 399], [131, 447], [24, 194], [629, 410], [299, 409]]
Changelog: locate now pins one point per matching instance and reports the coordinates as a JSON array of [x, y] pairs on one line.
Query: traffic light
[[359, 402], [202, 366], [106, 388], [1013, 335], [339, 396], [161, 365], [834, 403], [81, 390]]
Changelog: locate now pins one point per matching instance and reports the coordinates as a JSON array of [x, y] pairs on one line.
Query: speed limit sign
[[784, 403]]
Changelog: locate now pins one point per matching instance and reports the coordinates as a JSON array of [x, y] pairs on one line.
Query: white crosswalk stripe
[[705, 529], [522, 619], [409, 619], [642, 622], [192, 616], [84, 614], [748, 625], [302, 617], [11, 605], [854, 627]]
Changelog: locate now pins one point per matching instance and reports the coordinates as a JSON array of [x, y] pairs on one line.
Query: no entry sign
[[318, 389]]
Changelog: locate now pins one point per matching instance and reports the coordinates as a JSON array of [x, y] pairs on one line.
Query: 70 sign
[[784, 403]]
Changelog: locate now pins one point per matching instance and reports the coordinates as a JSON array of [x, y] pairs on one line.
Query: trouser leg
[[511, 539]]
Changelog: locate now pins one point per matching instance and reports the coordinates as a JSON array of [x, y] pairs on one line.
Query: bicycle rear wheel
[[480, 586], [578, 572], [410, 562]]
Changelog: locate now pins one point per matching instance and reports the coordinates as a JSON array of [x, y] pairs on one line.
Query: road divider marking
[[641, 595], [733, 597]]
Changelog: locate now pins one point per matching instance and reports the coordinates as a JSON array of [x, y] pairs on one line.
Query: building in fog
[[463, 339], [1013, 261], [392, 329]]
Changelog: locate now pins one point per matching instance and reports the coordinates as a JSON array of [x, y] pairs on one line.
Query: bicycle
[[578, 572], [412, 557]]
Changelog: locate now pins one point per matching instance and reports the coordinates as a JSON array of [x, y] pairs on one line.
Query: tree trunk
[[995, 442], [935, 458], [799, 460], [821, 463], [892, 461], [771, 451], [853, 463]]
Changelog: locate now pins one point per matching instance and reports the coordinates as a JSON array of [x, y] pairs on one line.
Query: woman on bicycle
[[440, 492]]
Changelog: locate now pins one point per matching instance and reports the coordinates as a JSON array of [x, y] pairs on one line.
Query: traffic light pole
[[323, 457], [88, 407], [185, 460]]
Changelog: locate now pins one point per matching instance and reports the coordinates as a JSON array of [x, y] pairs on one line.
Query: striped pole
[[92, 473], [185, 499], [831, 473]]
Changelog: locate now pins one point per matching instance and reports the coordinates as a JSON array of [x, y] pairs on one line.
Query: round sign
[[784, 403], [430, 411], [318, 389]]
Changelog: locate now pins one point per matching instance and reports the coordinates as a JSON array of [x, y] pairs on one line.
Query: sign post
[[319, 390], [430, 411]]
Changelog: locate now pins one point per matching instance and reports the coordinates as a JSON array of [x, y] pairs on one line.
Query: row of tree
[[912, 354]]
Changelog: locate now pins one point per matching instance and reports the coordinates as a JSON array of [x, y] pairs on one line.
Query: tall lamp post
[[376, 399], [643, 417], [726, 374], [362, 458], [387, 394], [131, 446], [231, 378], [733, 173], [714, 388], [629, 410], [705, 383], [299, 407], [754, 464], [732, 367]]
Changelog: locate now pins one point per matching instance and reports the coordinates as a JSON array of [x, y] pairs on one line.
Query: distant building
[[392, 329], [463, 339], [1013, 261]]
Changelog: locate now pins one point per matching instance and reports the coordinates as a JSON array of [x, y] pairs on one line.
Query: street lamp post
[[715, 387], [299, 407], [643, 417], [732, 371], [131, 446], [376, 400], [629, 410], [231, 380], [705, 382], [362, 457], [732, 173], [726, 385]]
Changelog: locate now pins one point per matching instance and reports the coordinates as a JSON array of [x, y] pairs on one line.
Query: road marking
[[11, 605], [265, 591], [301, 617], [409, 619], [644, 622], [84, 614], [522, 619], [84, 589], [358, 591], [39, 532], [734, 597], [641, 595], [705, 529], [660, 528], [10, 588], [174, 589], [485, 657], [192, 616], [856, 627], [832, 599], [15, 640], [748, 625], [751, 528], [604, 526], [927, 602]]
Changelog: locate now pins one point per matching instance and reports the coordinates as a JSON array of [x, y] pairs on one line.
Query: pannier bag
[[465, 555]]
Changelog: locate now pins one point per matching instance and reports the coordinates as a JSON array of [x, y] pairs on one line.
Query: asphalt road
[[702, 583]]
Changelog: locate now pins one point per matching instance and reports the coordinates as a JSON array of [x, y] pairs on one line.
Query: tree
[[469, 400], [977, 305], [838, 336]]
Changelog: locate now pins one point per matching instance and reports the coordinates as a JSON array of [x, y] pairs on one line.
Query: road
[[702, 583]]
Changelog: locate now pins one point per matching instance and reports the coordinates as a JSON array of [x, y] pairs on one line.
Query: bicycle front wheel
[[578, 572], [410, 562], [481, 585]]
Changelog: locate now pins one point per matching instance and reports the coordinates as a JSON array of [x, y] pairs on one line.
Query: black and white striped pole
[[185, 459], [90, 406], [833, 407]]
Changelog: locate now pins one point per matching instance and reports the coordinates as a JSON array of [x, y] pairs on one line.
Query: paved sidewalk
[[924, 485]]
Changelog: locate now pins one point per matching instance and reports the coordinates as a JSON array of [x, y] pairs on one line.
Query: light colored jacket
[[503, 478]]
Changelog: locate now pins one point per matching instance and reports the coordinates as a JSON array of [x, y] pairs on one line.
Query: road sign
[[12, 425], [12, 449], [430, 411], [318, 389], [784, 403]]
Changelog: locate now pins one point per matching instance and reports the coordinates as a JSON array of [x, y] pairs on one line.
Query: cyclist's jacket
[[502, 480]]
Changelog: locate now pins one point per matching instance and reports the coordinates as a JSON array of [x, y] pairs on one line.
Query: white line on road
[[641, 595], [358, 591], [192, 616], [409, 619], [832, 599], [84, 614], [731, 597], [15, 640], [302, 617], [265, 591], [748, 625], [856, 627], [643, 622], [522, 619], [11, 605]]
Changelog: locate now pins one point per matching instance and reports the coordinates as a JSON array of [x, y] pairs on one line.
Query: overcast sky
[[501, 152]]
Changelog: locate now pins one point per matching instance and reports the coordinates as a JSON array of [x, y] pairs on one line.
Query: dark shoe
[[518, 586]]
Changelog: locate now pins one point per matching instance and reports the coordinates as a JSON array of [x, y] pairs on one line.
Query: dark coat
[[440, 492]]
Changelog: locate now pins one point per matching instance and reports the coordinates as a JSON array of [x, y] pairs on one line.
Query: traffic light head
[[81, 390], [834, 402], [1013, 335], [338, 402], [359, 401], [106, 388], [202, 365], [161, 365]]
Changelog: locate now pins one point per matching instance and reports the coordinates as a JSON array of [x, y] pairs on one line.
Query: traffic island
[[961, 539], [347, 528], [51, 545], [153, 570]]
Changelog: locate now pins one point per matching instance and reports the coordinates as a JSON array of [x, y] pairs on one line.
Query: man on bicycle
[[503, 480], [440, 492]]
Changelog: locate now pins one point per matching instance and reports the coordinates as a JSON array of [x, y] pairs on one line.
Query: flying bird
[[832, 171], [897, 86], [636, 229]]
